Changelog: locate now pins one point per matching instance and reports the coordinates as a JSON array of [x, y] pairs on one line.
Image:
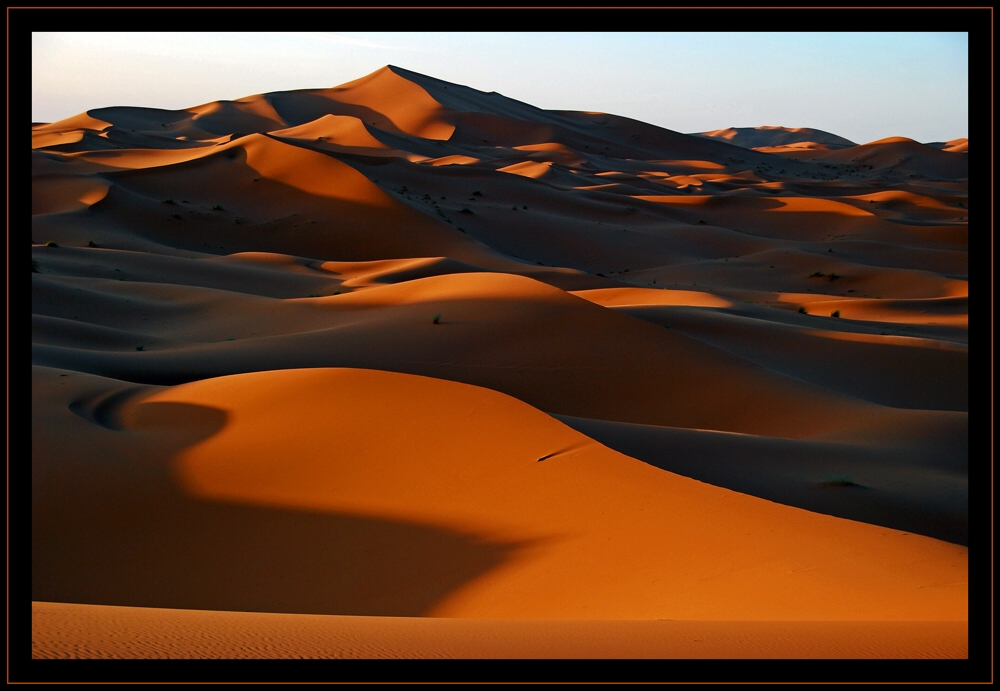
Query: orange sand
[[102, 632]]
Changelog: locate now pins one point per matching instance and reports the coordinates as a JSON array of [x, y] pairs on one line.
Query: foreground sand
[[438, 373], [103, 632]]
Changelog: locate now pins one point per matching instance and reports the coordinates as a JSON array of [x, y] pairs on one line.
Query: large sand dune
[[401, 368]]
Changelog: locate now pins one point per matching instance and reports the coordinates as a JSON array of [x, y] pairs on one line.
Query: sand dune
[[919, 489], [900, 156], [763, 138], [847, 355], [401, 368], [622, 297], [339, 129], [408, 454]]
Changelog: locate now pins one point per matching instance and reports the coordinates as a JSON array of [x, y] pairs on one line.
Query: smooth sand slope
[[410, 369], [402, 456]]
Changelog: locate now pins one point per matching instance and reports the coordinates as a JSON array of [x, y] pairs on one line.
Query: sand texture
[[121, 633], [404, 369]]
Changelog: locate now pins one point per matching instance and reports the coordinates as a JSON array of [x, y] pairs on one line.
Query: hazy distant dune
[[765, 136]]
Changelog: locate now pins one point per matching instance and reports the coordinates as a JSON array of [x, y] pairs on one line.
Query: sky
[[862, 86]]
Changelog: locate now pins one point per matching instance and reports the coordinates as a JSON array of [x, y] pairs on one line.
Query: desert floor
[[405, 369]]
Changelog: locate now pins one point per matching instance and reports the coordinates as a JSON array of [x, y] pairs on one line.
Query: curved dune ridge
[[412, 450], [401, 368], [339, 129], [529, 169]]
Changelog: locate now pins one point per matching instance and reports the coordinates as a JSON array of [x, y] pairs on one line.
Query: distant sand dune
[[763, 138]]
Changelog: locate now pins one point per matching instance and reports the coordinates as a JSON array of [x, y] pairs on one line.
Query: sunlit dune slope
[[540, 521], [960, 145], [339, 129], [620, 297]]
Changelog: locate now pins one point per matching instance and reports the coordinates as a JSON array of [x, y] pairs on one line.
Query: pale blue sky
[[862, 86]]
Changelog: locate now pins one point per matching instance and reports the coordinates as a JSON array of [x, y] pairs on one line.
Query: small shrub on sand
[[169, 201], [839, 481], [802, 310], [437, 318], [140, 347], [466, 210], [51, 243], [91, 243], [835, 313], [818, 273]]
